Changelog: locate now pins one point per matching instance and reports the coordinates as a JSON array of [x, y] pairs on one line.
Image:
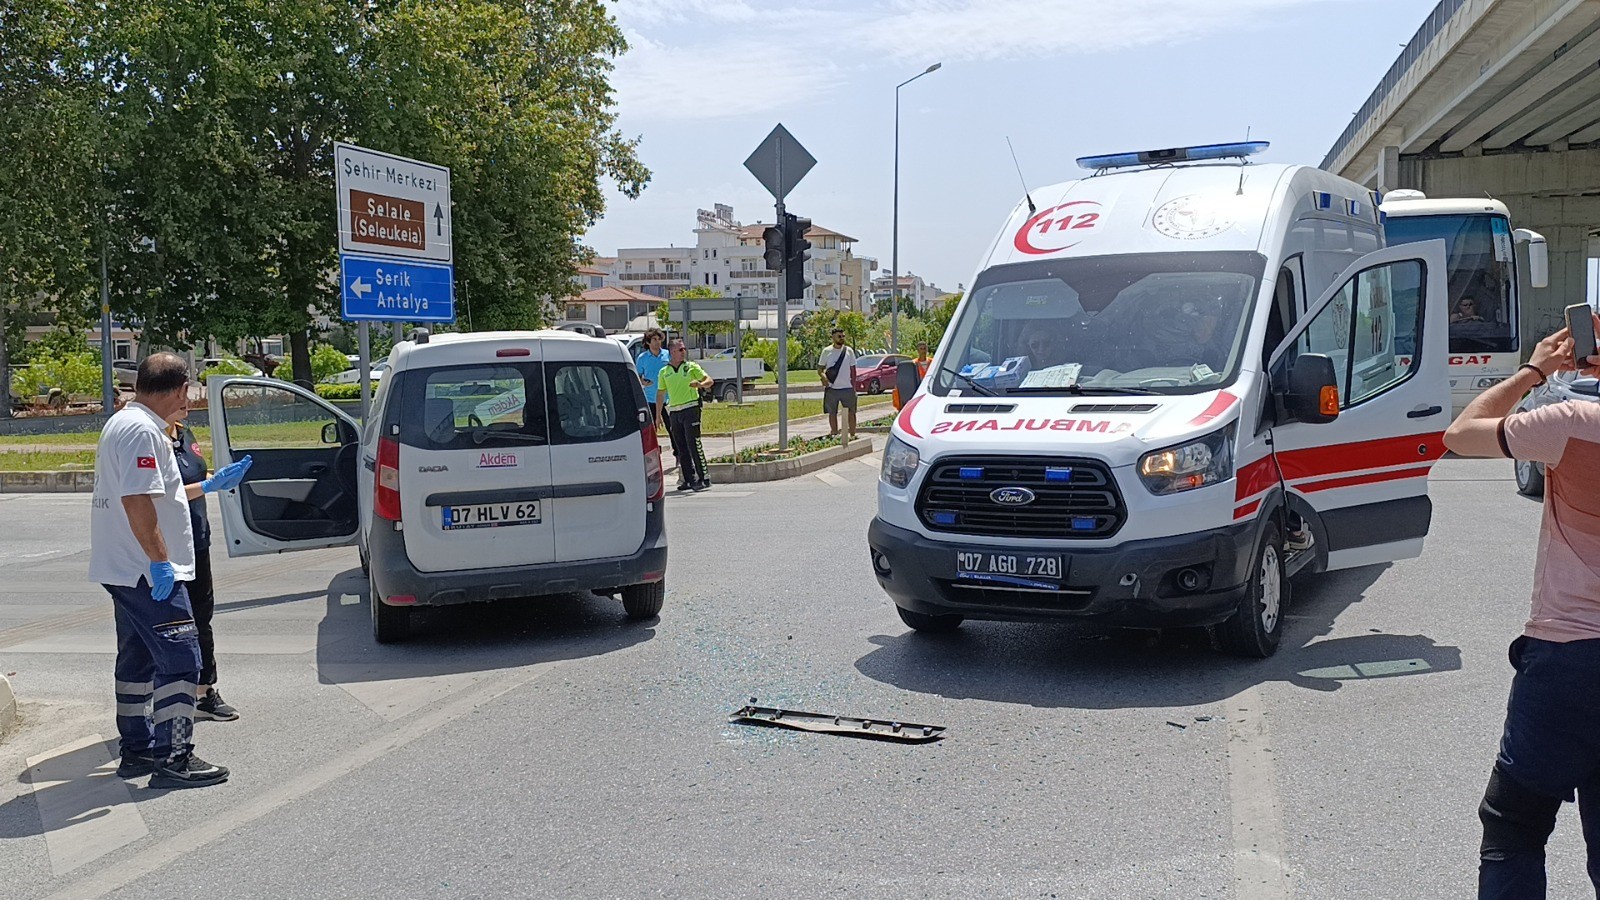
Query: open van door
[[1353, 455], [300, 493]]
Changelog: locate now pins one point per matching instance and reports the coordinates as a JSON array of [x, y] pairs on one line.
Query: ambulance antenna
[[1029, 197]]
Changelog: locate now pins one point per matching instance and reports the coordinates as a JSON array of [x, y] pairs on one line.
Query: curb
[[76, 482], [8, 705], [747, 473]]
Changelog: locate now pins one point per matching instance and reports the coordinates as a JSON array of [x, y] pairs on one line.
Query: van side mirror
[[1538, 256], [330, 433], [1313, 394], [906, 379]]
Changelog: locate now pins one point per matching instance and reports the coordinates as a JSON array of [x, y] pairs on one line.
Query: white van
[[492, 465], [1174, 384]]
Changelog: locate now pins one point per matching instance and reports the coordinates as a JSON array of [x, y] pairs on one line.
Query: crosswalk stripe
[[85, 810], [833, 479]]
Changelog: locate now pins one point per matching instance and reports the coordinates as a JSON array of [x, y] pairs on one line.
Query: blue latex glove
[[226, 478], [161, 580]]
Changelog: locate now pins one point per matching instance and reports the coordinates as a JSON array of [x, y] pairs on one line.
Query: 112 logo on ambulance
[[1058, 228]]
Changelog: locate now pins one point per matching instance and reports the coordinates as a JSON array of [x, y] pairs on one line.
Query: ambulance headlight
[[1189, 466], [900, 461]]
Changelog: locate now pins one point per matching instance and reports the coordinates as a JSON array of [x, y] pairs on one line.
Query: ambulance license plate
[[985, 566], [491, 515]]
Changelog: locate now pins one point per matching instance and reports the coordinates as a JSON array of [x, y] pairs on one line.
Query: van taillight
[[655, 482], [386, 490]]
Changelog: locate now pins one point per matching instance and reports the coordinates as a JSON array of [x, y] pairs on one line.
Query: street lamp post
[[894, 264]]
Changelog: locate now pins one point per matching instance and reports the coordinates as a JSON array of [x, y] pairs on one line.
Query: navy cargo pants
[[1549, 753], [158, 663]]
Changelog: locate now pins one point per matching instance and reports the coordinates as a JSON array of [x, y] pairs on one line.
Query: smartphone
[[1580, 321]]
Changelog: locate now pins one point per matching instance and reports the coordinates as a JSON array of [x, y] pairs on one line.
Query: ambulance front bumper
[[1187, 580]]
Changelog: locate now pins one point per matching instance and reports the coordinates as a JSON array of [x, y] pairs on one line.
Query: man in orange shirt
[[1550, 748]]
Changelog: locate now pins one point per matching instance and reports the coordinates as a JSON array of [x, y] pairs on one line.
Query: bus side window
[[1281, 318]]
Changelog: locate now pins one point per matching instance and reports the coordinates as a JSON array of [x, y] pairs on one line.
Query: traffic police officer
[[141, 548]]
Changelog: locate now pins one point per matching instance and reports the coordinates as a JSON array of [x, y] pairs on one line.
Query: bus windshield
[[1125, 323], [1482, 273]]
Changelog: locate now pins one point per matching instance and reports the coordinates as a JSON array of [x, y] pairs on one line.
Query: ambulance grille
[[1114, 408], [1072, 498]]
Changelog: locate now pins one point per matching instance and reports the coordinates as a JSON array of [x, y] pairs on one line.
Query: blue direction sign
[[389, 289]]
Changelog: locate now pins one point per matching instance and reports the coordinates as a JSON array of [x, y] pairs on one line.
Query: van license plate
[[491, 515], [1005, 566]]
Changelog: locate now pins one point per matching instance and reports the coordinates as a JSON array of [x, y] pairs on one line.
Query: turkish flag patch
[[147, 462]]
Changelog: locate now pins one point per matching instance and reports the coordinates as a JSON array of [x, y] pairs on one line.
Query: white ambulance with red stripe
[[1173, 384]]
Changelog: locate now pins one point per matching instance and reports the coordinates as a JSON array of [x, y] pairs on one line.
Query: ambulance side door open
[[300, 493], [1363, 475]]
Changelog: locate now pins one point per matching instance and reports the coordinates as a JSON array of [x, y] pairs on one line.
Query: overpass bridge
[[1497, 98]]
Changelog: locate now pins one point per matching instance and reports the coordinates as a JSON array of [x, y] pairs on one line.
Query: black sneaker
[[701, 486], [683, 486], [212, 706], [136, 765], [187, 772]]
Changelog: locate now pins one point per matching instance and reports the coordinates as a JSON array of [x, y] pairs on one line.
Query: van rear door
[[596, 454], [1365, 474], [300, 493], [474, 462]]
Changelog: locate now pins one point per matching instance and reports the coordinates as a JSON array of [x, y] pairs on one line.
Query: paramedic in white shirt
[[141, 549]]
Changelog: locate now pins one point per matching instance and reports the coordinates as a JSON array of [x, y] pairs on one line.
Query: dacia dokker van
[[492, 465], [1173, 384]]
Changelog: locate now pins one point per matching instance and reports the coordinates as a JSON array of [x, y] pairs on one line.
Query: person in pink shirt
[[1550, 747]]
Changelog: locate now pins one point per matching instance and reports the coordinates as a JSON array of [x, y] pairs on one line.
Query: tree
[[908, 307], [816, 327], [226, 113]]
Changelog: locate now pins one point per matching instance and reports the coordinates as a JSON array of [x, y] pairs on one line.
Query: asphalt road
[[550, 748]]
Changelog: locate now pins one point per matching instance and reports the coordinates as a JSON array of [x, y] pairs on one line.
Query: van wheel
[[1256, 627], [1530, 479], [644, 601], [390, 624], [729, 392], [929, 624]]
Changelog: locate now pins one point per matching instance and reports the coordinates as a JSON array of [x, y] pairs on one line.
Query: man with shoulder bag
[[836, 365]]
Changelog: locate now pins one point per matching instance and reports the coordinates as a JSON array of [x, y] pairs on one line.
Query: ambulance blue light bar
[[1172, 155]]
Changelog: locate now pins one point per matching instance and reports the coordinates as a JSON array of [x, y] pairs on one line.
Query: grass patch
[[772, 452], [721, 418], [798, 378], [47, 461]]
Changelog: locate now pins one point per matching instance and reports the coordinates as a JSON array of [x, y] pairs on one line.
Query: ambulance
[[1174, 384], [1484, 258]]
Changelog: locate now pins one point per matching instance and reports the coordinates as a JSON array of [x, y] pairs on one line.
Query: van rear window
[[593, 402], [468, 407]]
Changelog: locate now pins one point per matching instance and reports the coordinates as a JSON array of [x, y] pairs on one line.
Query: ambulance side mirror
[[1313, 395], [906, 379]]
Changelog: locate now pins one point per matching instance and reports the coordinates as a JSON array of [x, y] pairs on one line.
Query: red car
[[876, 372]]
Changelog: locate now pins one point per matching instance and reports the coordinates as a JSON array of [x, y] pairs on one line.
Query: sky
[[704, 81]]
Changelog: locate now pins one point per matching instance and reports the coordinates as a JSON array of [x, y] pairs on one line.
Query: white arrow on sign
[[360, 288]]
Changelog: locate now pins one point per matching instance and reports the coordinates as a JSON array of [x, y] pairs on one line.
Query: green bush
[[73, 373], [326, 362], [228, 366], [341, 391], [766, 350], [59, 343]]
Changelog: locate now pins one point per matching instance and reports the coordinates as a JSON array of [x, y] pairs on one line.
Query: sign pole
[[738, 348], [364, 338], [783, 341], [108, 390]]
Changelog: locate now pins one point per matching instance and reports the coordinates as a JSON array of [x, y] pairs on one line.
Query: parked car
[[1560, 387], [874, 373], [353, 376], [585, 328], [521, 464], [125, 372]]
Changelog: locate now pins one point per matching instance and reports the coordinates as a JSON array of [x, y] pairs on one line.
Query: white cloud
[[660, 11], [719, 80]]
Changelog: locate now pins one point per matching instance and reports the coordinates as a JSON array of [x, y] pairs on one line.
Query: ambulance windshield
[[1171, 323]]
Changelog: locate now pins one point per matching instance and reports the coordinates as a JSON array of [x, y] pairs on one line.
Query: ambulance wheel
[[929, 624], [1530, 479], [390, 624], [1256, 626], [644, 601]]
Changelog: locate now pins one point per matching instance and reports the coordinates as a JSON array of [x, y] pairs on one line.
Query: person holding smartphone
[[1550, 745]]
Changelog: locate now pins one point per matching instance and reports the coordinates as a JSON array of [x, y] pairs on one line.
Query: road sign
[[713, 309], [392, 206], [396, 289], [780, 162]]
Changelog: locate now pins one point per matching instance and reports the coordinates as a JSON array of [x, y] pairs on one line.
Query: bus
[[1484, 290]]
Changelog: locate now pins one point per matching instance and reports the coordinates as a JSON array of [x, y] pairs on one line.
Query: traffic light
[[799, 250], [774, 255]]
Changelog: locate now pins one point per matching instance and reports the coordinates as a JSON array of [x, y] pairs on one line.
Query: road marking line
[[85, 810], [388, 689], [831, 478], [1259, 868], [870, 461], [180, 846]]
